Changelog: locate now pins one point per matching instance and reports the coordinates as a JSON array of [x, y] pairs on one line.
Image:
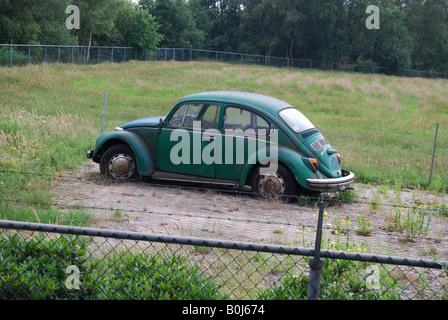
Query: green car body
[[223, 123]]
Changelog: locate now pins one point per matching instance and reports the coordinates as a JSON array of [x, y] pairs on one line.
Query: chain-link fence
[[21, 54], [41, 261], [190, 54], [16, 55]]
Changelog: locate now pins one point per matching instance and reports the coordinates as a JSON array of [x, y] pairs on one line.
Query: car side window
[[239, 118], [187, 114]]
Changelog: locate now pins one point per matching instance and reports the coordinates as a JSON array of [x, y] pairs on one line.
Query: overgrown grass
[[50, 115]]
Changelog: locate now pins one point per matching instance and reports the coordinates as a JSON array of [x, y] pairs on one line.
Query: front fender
[[142, 153]]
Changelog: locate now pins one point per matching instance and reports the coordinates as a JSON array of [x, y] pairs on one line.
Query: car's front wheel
[[118, 162], [280, 184]]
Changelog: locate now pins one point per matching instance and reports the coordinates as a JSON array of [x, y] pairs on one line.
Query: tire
[[118, 162], [278, 185]]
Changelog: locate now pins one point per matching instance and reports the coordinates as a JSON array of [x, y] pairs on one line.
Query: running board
[[162, 175]]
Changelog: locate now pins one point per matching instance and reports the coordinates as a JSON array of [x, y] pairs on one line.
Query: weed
[[341, 225], [414, 222], [363, 226], [303, 200]]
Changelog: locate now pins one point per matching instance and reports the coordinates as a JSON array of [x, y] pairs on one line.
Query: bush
[[339, 282], [36, 269], [157, 277], [17, 56]]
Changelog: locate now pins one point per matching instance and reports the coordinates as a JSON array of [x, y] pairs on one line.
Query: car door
[[244, 132], [187, 139]]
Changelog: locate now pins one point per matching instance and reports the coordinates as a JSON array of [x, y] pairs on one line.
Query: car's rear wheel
[[118, 162], [275, 185]]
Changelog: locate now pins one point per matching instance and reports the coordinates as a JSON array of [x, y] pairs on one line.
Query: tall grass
[[50, 115]]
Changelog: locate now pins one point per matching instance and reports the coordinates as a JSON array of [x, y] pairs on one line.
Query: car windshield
[[295, 120]]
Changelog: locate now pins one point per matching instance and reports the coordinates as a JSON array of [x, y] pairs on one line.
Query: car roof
[[255, 100]]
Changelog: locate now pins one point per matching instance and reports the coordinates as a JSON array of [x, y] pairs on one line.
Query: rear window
[[295, 120]]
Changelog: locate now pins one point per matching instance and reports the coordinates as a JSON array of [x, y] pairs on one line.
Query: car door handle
[[209, 138]]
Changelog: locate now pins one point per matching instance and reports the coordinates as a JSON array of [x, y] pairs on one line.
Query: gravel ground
[[163, 208]]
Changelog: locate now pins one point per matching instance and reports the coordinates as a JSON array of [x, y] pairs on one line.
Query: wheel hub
[[121, 166], [271, 184]]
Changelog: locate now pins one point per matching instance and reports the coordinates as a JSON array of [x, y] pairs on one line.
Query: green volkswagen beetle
[[223, 137]]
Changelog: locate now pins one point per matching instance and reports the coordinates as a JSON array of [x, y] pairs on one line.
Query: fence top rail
[[218, 51], [127, 235], [225, 244], [62, 46]]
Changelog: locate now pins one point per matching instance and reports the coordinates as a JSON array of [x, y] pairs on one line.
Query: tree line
[[411, 34]]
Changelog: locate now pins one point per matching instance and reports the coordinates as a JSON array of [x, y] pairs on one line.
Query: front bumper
[[333, 183], [90, 154]]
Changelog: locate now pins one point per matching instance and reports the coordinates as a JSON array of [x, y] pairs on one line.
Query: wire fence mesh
[[21, 54], [40, 261], [365, 223], [56, 262]]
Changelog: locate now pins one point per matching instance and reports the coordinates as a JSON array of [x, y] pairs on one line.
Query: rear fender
[[290, 158]]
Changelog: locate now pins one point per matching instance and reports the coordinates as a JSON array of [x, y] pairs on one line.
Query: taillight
[[314, 163], [339, 157], [311, 163]]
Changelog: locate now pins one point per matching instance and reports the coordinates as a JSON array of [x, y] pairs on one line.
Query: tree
[[270, 27], [391, 45], [135, 27], [97, 19], [51, 16], [219, 21], [34, 21], [176, 22], [427, 24]]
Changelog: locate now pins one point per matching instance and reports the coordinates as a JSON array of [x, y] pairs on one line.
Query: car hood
[[144, 122]]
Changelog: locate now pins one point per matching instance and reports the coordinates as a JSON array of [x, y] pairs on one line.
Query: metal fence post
[[10, 58], [316, 263], [104, 111], [433, 153]]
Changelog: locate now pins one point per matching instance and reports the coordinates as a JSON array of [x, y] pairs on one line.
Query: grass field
[[50, 115]]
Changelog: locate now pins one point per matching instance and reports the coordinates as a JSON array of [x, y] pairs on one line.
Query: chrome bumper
[[346, 179]]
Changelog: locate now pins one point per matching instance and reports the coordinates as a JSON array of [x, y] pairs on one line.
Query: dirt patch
[[161, 208]]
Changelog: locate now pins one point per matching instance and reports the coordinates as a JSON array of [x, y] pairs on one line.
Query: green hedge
[[36, 269], [341, 280]]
